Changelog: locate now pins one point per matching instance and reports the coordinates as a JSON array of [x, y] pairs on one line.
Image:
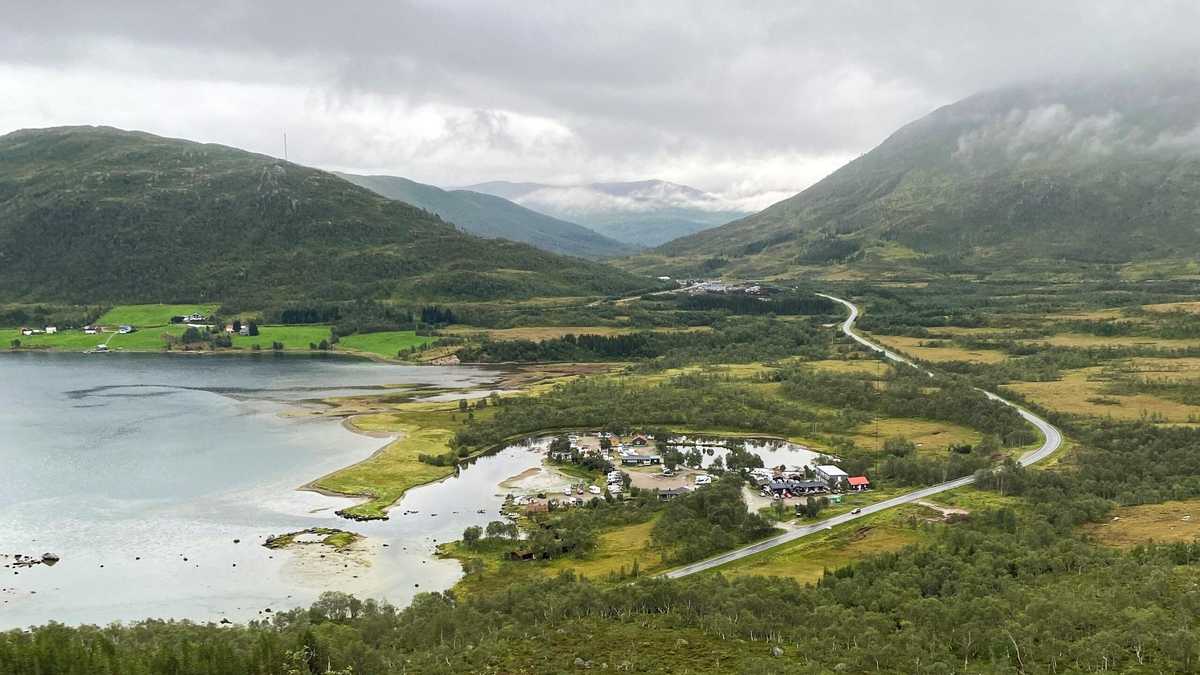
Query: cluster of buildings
[[700, 287], [636, 453], [783, 482]]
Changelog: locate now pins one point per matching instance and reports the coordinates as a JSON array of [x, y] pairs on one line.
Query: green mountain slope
[[103, 215], [489, 216], [1064, 175]]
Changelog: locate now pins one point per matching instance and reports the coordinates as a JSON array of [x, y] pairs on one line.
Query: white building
[[832, 475]]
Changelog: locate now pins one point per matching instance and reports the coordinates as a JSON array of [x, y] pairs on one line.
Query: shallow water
[[140, 471], [105, 459], [773, 452]]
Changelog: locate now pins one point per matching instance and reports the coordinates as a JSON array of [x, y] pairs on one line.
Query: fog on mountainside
[[1089, 172]]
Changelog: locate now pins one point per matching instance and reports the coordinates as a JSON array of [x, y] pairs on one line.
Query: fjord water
[[140, 471]]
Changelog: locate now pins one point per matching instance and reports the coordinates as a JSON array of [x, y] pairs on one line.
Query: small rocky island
[[338, 540]]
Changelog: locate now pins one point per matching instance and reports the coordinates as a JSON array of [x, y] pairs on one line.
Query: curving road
[[1052, 440]]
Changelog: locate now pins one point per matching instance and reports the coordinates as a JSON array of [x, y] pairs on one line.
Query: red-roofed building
[[859, 483]]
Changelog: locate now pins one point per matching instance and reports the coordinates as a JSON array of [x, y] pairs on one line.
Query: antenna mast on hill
[[285, 157]]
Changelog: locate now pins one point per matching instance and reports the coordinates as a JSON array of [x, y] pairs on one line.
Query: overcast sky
[[753, 101]]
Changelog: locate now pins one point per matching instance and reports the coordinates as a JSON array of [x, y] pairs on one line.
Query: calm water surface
[[140, 471], [127, 464]]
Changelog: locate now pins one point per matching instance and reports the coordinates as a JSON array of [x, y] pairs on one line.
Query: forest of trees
[[909, 393], [730, 341], [695, 399], [707, 521], [1000, 593]]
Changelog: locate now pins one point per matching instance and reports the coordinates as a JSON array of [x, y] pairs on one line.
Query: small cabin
[[859, 483]]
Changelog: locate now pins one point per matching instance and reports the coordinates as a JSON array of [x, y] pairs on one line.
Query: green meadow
[[386, 343], [148, 339], [292, 337], [150, 315]]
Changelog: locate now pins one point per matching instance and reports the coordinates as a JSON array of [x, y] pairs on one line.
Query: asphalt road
[[1052, 439]]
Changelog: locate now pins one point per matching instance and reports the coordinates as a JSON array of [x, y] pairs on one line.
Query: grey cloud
[[651, 197], [662, 88], [1051, 131]]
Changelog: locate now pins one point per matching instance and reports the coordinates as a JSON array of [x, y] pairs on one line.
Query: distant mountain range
[[1101, 175], [96, 214], [641, 213], [487, 215]]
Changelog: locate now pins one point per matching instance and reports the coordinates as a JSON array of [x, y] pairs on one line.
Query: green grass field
[[292, 337], [387, 343], [149, 315], [148, 339]]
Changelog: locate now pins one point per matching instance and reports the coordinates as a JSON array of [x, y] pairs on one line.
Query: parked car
[[856, 511]]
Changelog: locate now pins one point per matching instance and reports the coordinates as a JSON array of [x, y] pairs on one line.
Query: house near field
[[858, 483], [51, 330], [244, 330], [195, 317], [833, 476], [27, 331], [639, 440]]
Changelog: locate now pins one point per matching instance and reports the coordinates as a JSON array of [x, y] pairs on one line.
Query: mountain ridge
[[492, 216], [98, 214], [641, 213]]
